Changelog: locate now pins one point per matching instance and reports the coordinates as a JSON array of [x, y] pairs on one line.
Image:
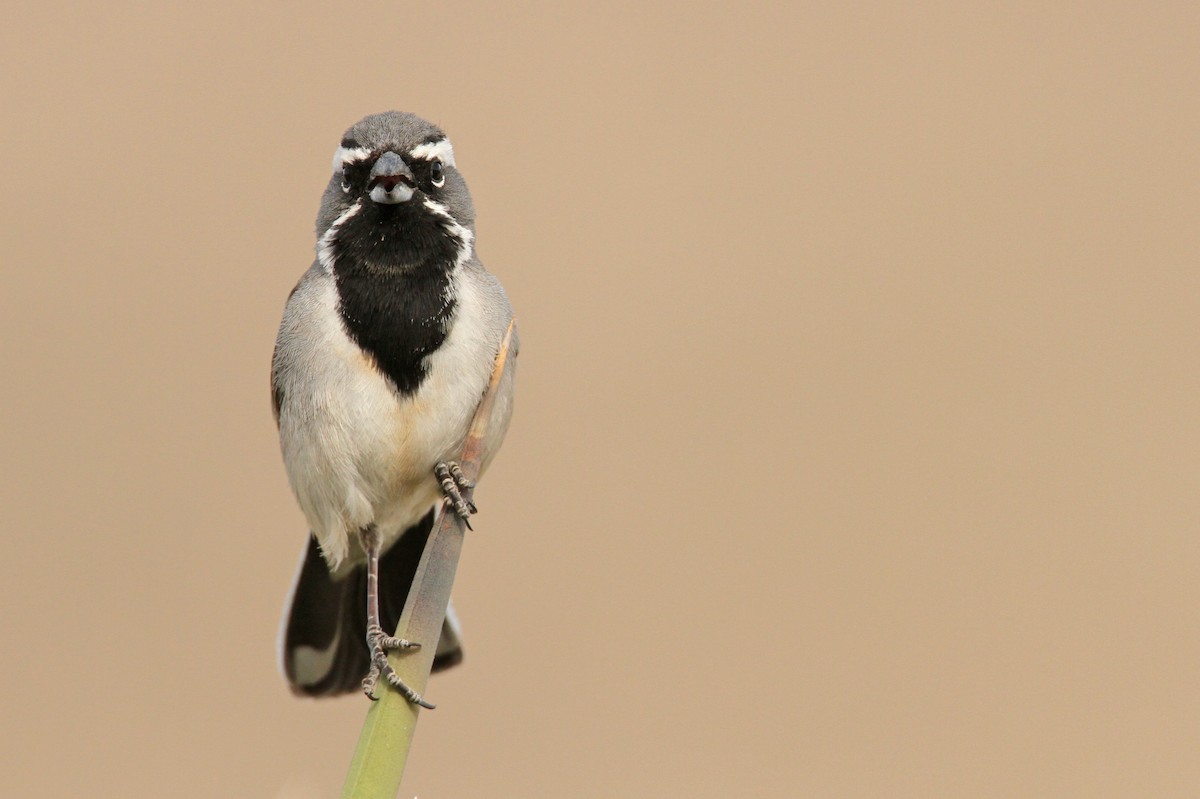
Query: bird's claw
[[453, 483], [380, 644]]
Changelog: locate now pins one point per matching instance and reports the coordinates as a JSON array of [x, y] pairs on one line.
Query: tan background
[[856, 446]]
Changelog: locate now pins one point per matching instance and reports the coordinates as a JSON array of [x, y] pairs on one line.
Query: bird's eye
[[345, 181], [437, 174]]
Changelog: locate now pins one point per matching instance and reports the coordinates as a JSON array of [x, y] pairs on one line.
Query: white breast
[[356, 452]]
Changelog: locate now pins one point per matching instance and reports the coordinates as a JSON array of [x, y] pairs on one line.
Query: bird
[[386, 346]]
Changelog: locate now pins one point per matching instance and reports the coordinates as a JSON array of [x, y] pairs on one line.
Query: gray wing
[[277, 393]]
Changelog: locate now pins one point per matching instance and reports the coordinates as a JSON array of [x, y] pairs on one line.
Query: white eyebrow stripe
[[437, 149], [348, 155]]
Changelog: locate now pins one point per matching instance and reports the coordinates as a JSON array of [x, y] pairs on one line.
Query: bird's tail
[[325, 626]]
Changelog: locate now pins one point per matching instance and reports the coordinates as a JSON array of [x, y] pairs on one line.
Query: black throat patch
[[392, 265]]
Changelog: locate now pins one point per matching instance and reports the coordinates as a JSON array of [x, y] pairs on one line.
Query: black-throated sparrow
[[385, 349]]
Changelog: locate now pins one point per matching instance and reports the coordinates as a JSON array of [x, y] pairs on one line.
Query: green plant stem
[[383, 745]]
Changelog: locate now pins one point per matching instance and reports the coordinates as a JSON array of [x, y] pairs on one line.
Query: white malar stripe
[[344, 156], [325, 243], [441, 149], [464, 236]]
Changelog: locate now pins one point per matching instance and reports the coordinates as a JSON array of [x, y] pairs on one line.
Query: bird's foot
[[380, 644], [453, 483]]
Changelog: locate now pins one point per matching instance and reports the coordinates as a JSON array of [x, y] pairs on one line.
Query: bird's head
[[395, 198]]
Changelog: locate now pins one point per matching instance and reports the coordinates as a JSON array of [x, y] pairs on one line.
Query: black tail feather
[[324, 647]]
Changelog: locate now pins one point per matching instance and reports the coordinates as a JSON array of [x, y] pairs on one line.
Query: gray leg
[[379, 641], [453, 482]]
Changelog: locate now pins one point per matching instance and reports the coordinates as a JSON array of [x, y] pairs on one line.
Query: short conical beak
[[392, 181]]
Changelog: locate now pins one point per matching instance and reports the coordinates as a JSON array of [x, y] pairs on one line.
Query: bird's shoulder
[[309, 309]]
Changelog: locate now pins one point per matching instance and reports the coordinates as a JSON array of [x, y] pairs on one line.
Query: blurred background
[[856, 440]]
